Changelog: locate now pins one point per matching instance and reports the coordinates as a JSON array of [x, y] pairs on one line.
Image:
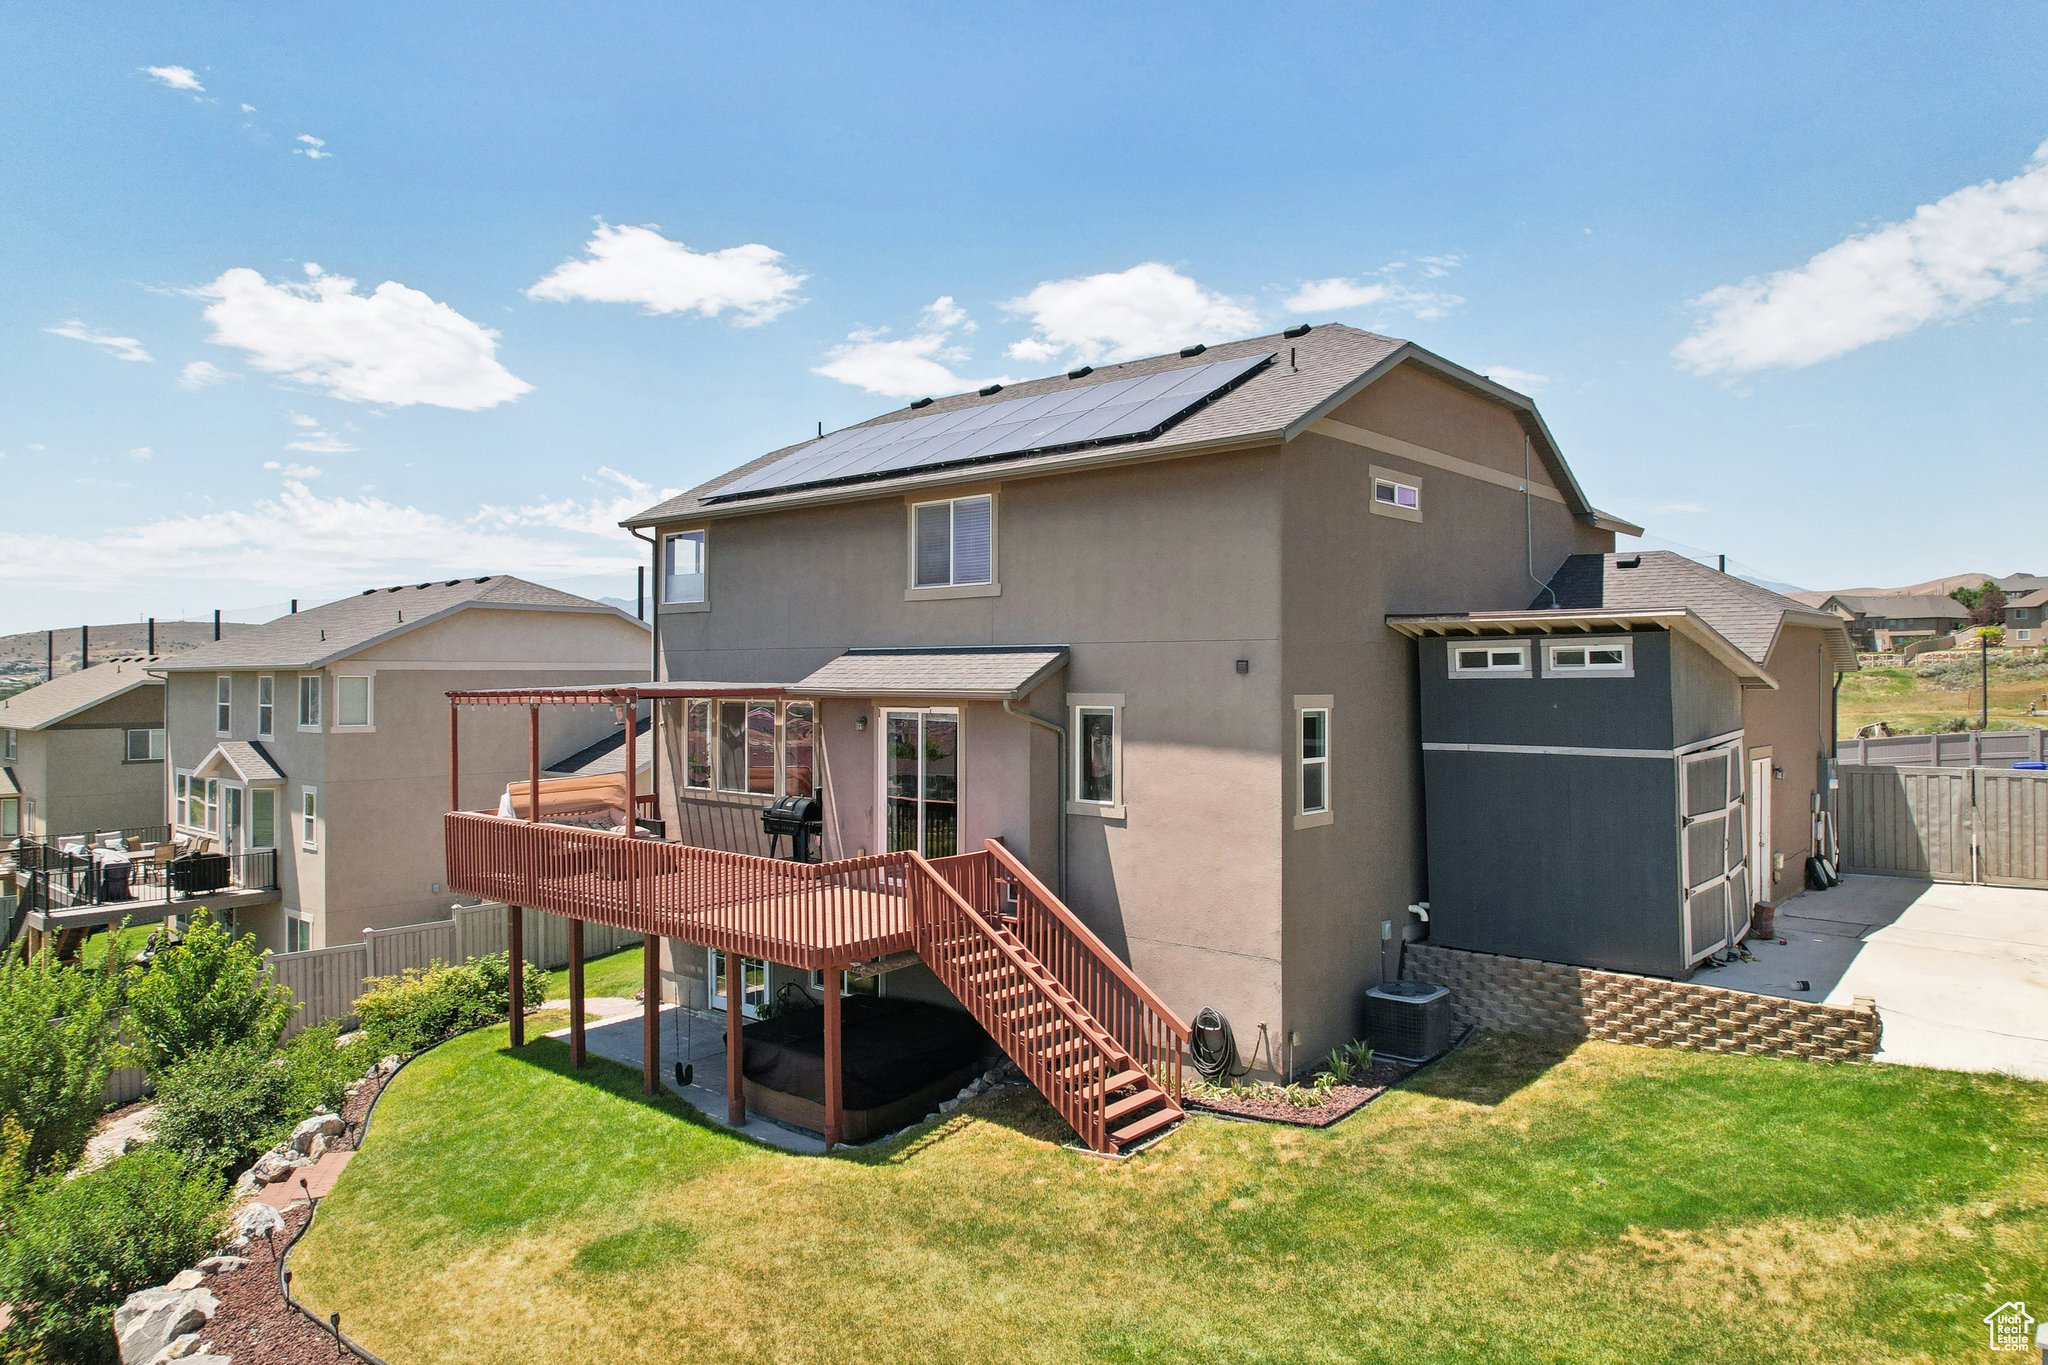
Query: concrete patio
[[1959, 973]]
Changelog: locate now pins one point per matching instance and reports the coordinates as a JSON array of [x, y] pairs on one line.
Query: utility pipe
[[1059, 797], [1529, 519]]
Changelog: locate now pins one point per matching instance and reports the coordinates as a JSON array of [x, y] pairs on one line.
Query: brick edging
[[1552, 999]]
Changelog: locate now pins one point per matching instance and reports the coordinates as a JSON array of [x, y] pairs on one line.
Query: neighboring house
[[2026, 618], [1619, 772], [1129, 621], [323, 735], [83, 753], [1891, 621]]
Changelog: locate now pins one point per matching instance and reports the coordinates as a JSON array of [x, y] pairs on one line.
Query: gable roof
[[1928, 604], [250, 761], [67, 694], [608, 755], [2037, 598], [1747, 616], [1314, 372], [1559, 621], [315, 638]]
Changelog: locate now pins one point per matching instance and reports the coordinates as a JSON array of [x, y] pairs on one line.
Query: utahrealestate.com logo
[[2011, 1328]]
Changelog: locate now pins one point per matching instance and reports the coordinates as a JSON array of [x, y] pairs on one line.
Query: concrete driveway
[[1959, 973]]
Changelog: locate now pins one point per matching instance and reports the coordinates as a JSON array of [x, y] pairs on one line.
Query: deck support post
[[575, 992], [650, 1013], [454, 756], [515, 972], [735, 1044], [835, 978]]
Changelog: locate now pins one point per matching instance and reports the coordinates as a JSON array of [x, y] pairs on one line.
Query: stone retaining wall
[[1552, 1000]]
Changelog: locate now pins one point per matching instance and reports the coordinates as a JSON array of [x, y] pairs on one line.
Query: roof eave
[[1679, 621]]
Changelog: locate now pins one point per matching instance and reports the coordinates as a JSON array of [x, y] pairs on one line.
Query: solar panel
[[1063, 419]]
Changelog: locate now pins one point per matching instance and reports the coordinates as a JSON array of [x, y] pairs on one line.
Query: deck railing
[[54, 879], [803, 914]]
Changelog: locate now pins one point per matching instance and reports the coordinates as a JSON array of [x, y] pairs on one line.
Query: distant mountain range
[[1933, 587], [27, 652]]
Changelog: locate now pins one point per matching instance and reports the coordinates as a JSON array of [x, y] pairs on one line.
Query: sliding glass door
[[921, 782]]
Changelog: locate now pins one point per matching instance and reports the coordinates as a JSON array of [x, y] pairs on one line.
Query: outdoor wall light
[[860, 722], [1244, 665]]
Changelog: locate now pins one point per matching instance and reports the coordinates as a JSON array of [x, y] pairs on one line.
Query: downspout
[[1529, 520], [653, 705], [1060, 796]]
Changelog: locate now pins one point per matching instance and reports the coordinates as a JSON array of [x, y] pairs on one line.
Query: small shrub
[[1349, 1063], [222, 1108], [419, 1008], [59, 1037], [318, 1072], [74, 1249], [208, 991]]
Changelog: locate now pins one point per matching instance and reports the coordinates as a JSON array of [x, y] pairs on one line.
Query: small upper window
[[266, 707], [352, 706], [697, 745], [10, 817], [1572, 658], [145, 746], [1493, 659], [1314, 788], [223, 705], [953, 543], [1095, 755], [1396, 495], [10, 745], [309, 701], [682, 568]]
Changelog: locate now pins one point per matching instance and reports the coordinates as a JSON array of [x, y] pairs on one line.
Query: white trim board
[[1435, 459], [1574, 751]]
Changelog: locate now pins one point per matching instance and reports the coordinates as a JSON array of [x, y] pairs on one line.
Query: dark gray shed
[[1582, 775]]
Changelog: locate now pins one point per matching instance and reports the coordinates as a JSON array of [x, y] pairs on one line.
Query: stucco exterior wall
[[1345, 569], [77, 771], [1793, 723]]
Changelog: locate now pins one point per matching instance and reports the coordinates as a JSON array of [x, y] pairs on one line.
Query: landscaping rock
[[187, 1279], [149, 1320], [387, 1066], [948, 1106], [256, 1220], [181, 1349], [246, 1184], [220, 1265], [320, 1125], [320, 1147], [271, 1168]]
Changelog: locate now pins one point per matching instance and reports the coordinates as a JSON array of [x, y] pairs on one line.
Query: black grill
[[800, 819]]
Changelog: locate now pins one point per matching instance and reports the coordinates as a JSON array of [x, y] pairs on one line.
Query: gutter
[[1059, 797]]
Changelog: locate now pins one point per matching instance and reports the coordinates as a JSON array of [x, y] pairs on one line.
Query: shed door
[[1712, 840]]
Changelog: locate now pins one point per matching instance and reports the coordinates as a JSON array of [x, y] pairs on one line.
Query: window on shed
[[1493, 658], [1616, 658]]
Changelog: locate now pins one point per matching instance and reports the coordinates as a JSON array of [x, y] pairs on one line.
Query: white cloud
[[322, 545], [620, 496], [908, 366], [1522, 381], [202, 374], [1671, 509], [1385, 292], [122, 348], [1982, 244], [1123, 314], [142, 453], [639, 265], [248, 108], [394, 345], [176, 77], [321, 443], [314, 148], [294, 471]]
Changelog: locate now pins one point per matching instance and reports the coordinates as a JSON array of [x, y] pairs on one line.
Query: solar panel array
[[1064, 419]]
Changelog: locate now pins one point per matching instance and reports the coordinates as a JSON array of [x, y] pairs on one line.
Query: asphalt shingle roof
[[1746, 615], [608, 755], [2037, 598], [998, 671], [250, 760], [338, 629], [69, 693], [1325, 361], [1905, 604]]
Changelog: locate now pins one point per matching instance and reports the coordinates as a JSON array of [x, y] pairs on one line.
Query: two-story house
[[1888, 621], [2026, 619], [83, 753], [322, 735]]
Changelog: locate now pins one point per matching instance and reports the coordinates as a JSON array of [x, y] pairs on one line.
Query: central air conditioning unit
[[1408, 1021]]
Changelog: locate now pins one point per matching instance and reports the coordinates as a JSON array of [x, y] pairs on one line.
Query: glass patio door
[[921, 782], [753, 984], [231, 819]]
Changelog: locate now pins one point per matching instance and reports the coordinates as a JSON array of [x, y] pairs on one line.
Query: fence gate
[[1983, 825]]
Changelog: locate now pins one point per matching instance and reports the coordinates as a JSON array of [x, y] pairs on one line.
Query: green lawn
[[616, 974], [1519, 1202], [123, 943]]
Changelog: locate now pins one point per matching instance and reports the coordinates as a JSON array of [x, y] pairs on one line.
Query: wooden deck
[[146, 909]]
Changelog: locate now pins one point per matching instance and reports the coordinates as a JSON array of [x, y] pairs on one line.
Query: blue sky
[[1771, 272]]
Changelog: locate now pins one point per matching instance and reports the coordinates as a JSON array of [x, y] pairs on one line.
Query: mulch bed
[[1270, 1107]]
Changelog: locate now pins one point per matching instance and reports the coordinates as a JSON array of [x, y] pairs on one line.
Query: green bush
[[209, 991], [59, 1037], [221, 1108], [74, 1249], [419, 1008], [318, 1073]]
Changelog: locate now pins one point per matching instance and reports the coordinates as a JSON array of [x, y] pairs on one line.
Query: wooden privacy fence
[[1982, 825]]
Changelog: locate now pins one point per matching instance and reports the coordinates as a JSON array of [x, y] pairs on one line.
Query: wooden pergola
[[734, 902]]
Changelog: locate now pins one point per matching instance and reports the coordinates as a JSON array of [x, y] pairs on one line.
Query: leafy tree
[[1990, 606], [59, 1037], [209, 991], [1968, 596]]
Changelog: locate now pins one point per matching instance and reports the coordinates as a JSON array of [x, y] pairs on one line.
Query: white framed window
[[1395, 494], [223, 705], [799, 748], [684, 556], [145, 746], [10, 745], [189, 808], [697, 744], [753, 984], [298, 932], [746, 747], [309, 818], [10, 817], [262, 817], [210, 805], [1489, 659], [309, 701], [353, 708], [1570, 658], [953, 545], [1312, 762], [1095, 725], [266, 707]]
